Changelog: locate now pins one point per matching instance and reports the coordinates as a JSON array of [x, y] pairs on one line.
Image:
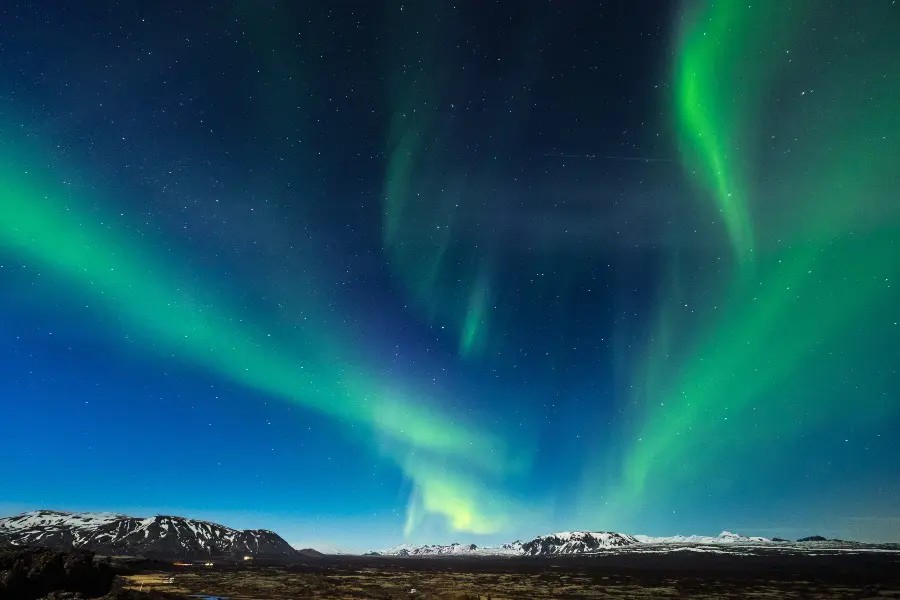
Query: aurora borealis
[[376, 271]]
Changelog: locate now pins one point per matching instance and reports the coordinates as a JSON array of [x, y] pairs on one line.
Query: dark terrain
[[679, 575], [28, 574]]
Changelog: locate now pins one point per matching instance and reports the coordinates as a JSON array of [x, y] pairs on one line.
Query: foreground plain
[[678, 575]]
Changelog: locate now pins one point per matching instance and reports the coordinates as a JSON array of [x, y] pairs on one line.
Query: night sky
[[367, 272]]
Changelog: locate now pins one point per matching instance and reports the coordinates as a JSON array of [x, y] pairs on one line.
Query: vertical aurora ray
[[721, 62], [444, 226], [420, 227], [472, 334], [805, 340], [149, 299]]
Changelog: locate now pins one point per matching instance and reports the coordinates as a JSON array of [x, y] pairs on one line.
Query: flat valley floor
[[676, 575]]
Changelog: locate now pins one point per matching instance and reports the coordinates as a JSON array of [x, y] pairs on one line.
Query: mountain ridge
[[587, 542], [161, 536]]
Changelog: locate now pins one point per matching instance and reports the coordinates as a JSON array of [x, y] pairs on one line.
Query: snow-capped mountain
[[568, 542], [456, 549], [161, 537], [579, 542], [726, 537], [433, 549], [576, 542]]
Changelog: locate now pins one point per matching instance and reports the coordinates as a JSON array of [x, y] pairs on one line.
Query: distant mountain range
[[178, 538], [160, 537], [587, 542]]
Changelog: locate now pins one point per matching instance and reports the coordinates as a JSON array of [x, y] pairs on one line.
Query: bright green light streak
[[192, 323], [807, 338], [763, 361], [716, 69]]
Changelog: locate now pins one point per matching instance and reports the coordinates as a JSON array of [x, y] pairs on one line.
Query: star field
[[370, 271]]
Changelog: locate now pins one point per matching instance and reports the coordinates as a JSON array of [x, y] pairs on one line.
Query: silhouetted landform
[[162, 537], [29, 573]]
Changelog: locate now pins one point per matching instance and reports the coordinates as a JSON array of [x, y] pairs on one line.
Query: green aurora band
[[809, 323], [152, 300]]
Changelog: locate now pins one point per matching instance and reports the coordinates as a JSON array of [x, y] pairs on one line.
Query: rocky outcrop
[[30, 573]]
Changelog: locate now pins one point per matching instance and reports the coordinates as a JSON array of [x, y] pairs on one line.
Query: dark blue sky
[[368, 271]]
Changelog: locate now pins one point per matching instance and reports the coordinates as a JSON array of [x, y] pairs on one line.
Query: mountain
[[433, 550], [161, 537], [576, 542], [455, 549], [726, 537]]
